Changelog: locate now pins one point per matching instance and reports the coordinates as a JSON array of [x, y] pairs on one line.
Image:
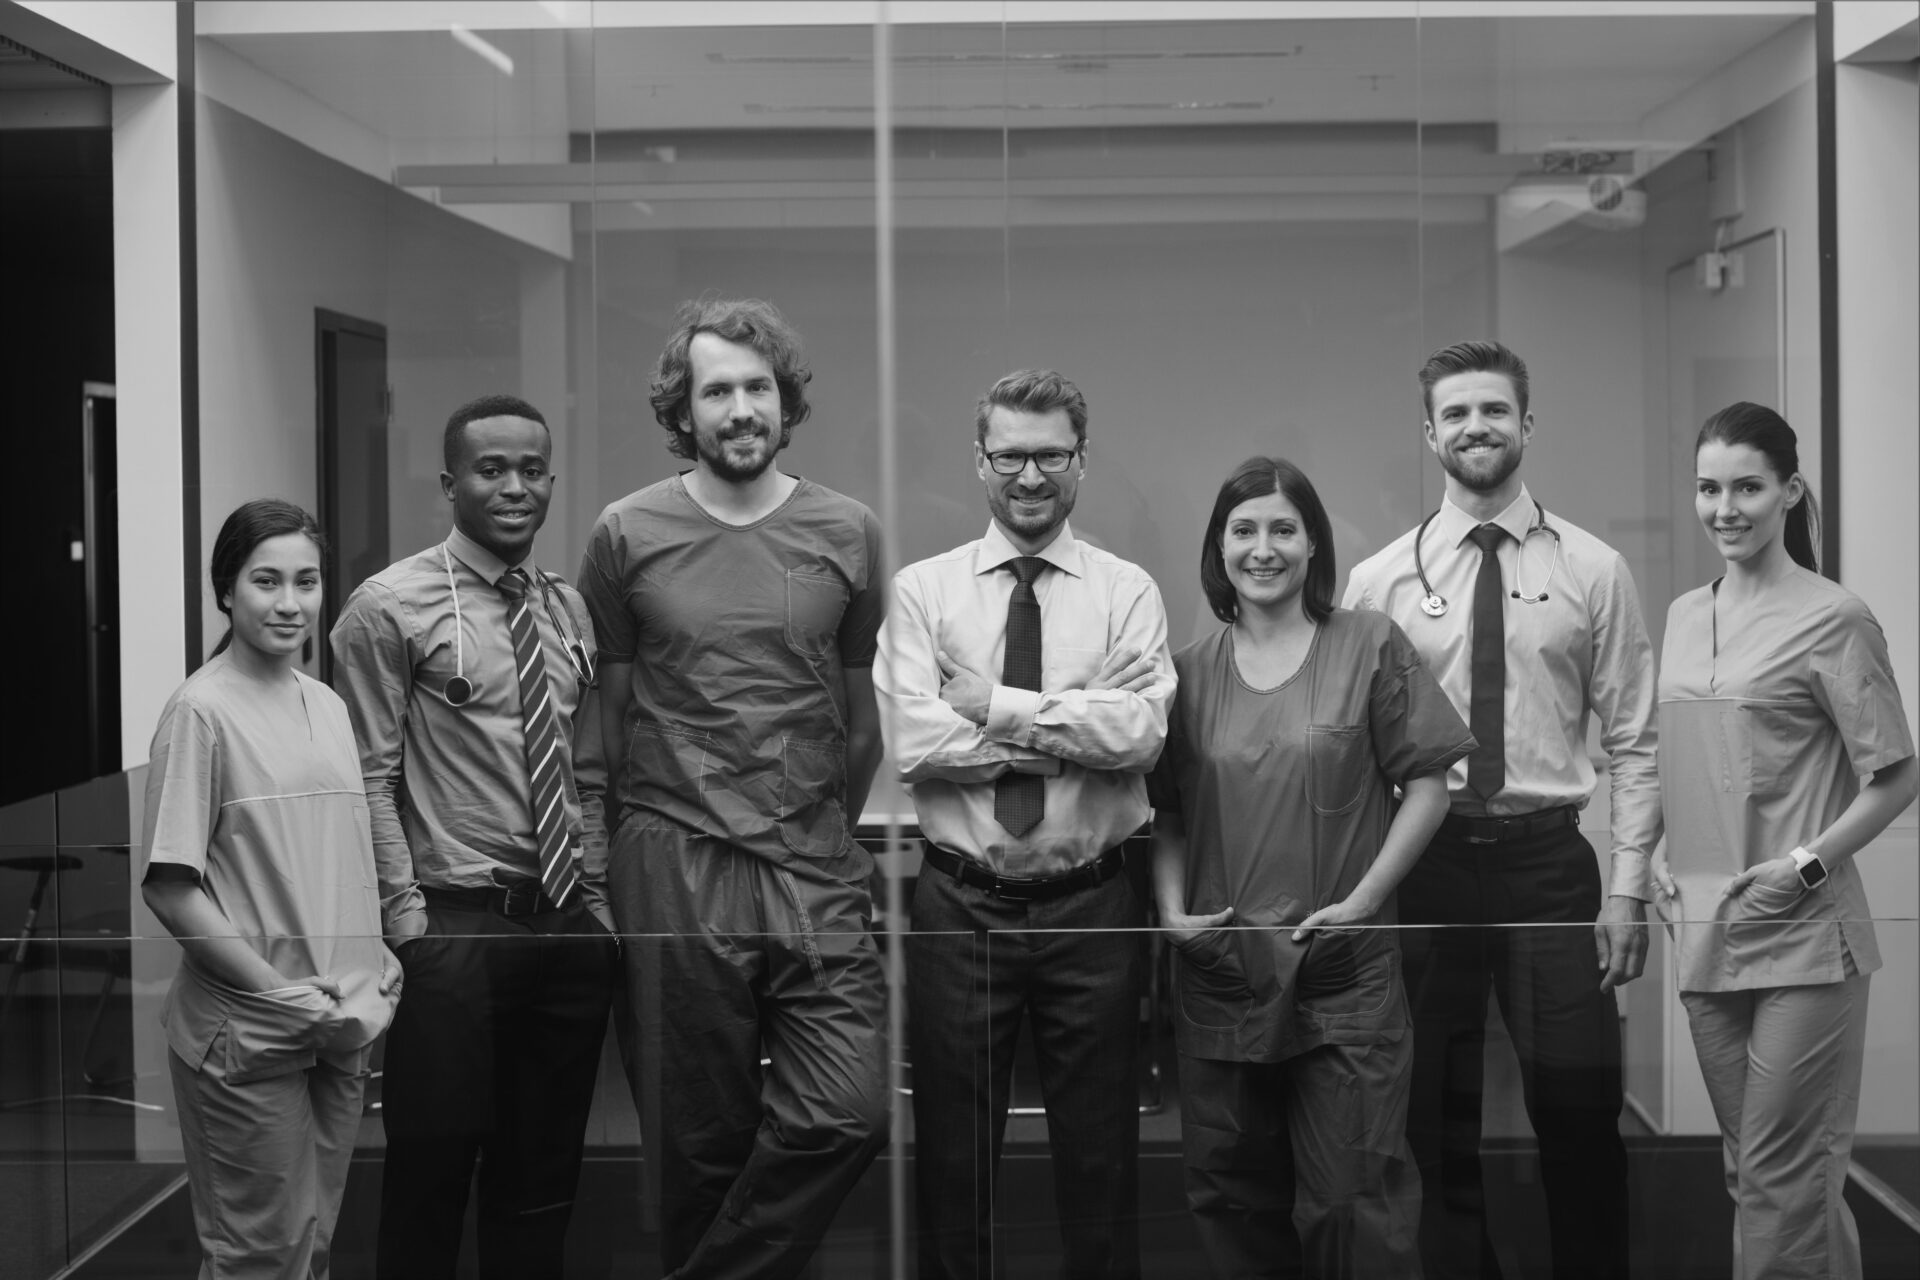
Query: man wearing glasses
[[1026, 681]]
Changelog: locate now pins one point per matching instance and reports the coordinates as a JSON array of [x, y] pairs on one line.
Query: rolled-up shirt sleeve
[[926, 737], [1624, 692], [373, 660], [1100, 728]]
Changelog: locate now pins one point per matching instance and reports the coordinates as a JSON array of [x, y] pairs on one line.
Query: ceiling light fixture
[[1071, 61], [955, 108], [485, 48]]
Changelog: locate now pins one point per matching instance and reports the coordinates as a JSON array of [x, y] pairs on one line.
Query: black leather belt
[[521, 898], [1024, 888], [1521, 826]]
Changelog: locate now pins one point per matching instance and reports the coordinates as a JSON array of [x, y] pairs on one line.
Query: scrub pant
[[1566, 1033], [967, 989], [266, 1163], [1301, 1168], [492, 1055], [747, 960], [1782, 1066]]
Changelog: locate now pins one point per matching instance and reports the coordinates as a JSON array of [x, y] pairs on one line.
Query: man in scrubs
[[1026, 680], [1533, 627], [493, 1053], [738, 609]]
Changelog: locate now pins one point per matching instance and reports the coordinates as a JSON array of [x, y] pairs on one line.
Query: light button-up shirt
[[448, 794], [1583, 650], [1093, 746]]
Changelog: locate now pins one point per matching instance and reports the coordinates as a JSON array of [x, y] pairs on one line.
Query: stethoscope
[[459, 690], [1433, 604]]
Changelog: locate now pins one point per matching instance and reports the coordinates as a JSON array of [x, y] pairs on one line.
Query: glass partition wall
[[1238, 229]]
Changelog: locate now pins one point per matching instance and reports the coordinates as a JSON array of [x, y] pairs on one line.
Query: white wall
[[284, 230], [146, 341], [1877, 121]]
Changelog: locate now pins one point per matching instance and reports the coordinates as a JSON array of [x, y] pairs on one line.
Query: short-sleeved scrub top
[[264, 801], [738, 636], [1764, 733], [1286, 795]]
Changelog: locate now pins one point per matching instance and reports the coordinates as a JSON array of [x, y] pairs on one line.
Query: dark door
[[354, 405], [101, 552], [56, 335]]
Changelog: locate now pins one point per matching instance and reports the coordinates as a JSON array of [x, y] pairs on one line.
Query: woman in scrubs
[[260, 862], [1776, 697], [1274, 812]]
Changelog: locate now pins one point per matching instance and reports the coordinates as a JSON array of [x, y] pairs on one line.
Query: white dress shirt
[[1584, 649], [1093, 746]]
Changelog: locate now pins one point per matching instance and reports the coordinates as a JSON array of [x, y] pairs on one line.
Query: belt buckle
[[1499, 823], [520, 899], [1015, 890]]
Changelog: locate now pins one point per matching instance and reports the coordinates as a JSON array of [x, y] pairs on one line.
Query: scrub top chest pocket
[[816, 602], [1339, 758], [1757, 745]]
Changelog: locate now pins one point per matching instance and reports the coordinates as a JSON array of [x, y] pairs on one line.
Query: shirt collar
[[489, 566], [1063, 553], [1454, 525]]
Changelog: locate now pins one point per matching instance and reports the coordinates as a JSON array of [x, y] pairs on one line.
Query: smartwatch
[[1813, 872]]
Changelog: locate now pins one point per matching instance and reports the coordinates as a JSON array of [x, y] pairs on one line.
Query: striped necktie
[[545, 768]]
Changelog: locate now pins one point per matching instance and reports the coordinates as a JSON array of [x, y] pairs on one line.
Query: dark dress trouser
[[967, 991], [493, 1054], [1566, 1033]]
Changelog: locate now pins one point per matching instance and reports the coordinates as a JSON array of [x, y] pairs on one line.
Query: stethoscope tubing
[[1434, 605], [459, 690]]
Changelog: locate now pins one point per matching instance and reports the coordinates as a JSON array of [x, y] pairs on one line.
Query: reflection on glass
[[1239, 235]]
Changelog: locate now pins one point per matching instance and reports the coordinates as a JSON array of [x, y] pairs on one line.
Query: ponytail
[[1802, 534]]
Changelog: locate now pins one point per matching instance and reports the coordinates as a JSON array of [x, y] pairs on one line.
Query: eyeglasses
[[1011, 462]]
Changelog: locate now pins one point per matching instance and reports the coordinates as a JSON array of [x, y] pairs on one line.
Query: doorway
[[354, 406]]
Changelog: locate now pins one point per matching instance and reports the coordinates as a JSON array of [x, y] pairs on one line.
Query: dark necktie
[[544, 766], [1487, 766], [1020, 799]]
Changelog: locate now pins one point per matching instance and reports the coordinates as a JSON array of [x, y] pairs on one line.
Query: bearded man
[[1532, 626], [738, 609], [1027, 680]]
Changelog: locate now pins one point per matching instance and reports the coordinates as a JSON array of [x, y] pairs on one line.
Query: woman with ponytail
[[1776, 698], [259, 861]]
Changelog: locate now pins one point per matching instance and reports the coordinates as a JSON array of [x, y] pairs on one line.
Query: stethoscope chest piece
[[459, 691], [1434, 604]]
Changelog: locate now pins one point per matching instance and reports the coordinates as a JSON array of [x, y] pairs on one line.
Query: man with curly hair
[[737, 610]]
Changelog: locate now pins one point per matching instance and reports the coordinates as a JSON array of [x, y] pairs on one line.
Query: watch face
[[1813, 873]]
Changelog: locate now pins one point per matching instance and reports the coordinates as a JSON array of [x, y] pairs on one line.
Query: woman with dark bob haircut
[[1274, 813], [1776, 697], [259, 860]]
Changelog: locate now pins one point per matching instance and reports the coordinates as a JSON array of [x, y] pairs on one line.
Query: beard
[[1031, 526], [722, 456], [1482, 474]]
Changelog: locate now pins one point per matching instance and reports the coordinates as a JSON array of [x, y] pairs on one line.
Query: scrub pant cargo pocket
[[267, 1161], [1782, 1066], [730, 959]]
